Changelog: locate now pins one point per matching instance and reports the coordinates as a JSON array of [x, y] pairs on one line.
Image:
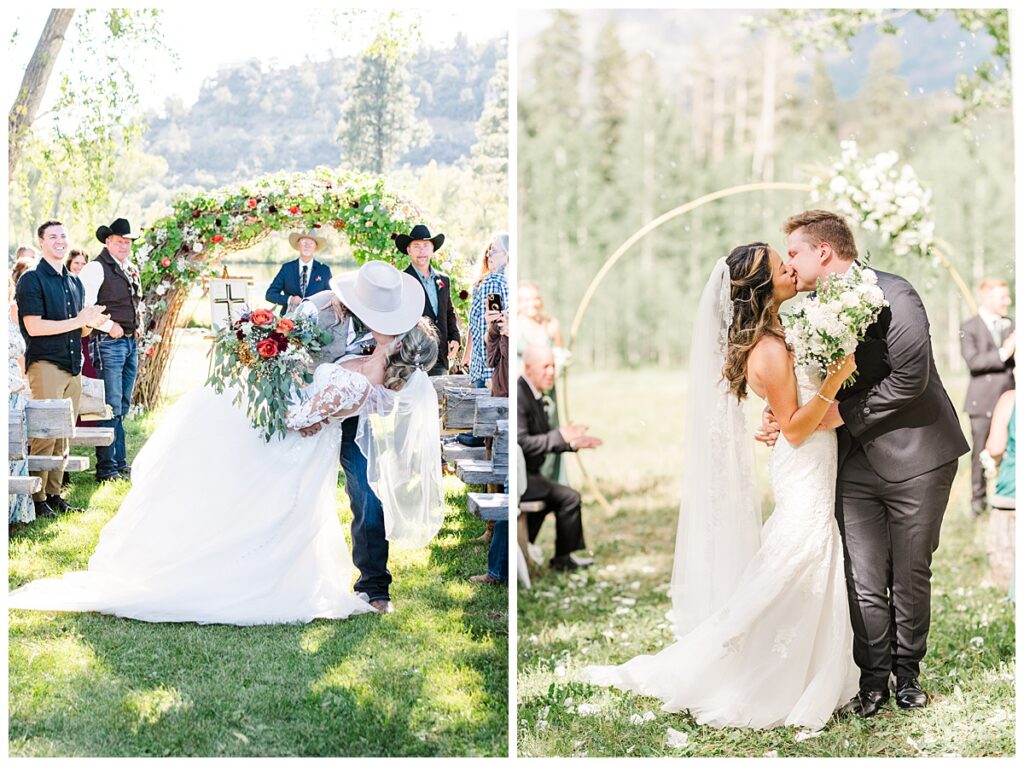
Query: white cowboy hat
[[295, 236], [386, 299]]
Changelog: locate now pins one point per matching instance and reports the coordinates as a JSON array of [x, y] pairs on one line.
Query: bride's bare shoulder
[[769, 353]]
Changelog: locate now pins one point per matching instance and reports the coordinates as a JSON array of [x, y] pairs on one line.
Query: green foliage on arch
[[183, 248]]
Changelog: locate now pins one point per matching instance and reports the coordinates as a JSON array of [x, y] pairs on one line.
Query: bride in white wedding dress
[[761, 614], [221, 526]]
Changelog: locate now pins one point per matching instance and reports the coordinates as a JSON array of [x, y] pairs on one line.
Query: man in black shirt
[[52, 319]]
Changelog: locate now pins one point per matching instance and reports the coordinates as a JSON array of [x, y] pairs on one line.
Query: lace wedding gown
[[779, 652], [221, 526]]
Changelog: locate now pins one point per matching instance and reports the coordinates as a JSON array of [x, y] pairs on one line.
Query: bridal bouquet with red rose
[[264, 359]]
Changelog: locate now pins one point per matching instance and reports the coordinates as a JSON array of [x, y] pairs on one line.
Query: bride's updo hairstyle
[[415, 350], [753, 310]]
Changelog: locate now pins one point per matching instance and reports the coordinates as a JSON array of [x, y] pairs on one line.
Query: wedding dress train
[[221, 526], [779, 651]]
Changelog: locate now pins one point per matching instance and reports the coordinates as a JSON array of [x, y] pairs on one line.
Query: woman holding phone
[[489, 292]]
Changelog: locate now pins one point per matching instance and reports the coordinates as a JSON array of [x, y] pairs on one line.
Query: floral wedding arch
[[877, 194], [184, 248]]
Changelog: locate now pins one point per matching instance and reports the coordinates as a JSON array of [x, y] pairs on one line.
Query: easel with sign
[[229, 297]]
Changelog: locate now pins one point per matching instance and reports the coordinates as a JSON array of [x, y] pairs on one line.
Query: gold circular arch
[[942, 250]]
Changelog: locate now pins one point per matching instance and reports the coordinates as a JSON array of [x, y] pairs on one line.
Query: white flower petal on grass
[[772, 754], [587, 709], [977, 642], [677, 739], [560, 670], [1000, 716], [804, 734], [639, 720]]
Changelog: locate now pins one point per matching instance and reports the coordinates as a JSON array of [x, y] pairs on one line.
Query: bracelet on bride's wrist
[[824, 398]]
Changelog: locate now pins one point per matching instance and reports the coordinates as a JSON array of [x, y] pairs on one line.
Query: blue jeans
[[369, 546], [497, 554], [118, 365]]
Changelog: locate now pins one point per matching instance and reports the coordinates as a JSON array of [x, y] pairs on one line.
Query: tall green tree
[[379, 122], [611, 95], [95, 110]]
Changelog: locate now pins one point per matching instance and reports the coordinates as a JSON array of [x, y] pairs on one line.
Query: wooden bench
[[459, 407], [23, 485], [488, 412], [455, 452], [93, 436], [500, 446], [489, 506], [441, 382], [57, 463], [523, 537], [48, 418], [480, 472], [17, 443]]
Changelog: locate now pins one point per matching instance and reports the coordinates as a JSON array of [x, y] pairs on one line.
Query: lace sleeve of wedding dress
[[401, 440], [719, 528], [334, 393]]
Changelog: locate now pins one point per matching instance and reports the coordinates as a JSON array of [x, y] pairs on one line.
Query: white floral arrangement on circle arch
[[880, 195]]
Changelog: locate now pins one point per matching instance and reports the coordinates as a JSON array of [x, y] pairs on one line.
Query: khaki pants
[[48, 381]]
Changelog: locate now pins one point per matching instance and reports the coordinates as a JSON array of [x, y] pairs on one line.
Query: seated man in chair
[[537, 438]]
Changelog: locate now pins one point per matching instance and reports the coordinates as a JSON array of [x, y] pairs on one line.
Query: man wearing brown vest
[[112, 280]]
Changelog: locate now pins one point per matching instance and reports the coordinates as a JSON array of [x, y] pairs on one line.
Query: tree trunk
[[33, 84]]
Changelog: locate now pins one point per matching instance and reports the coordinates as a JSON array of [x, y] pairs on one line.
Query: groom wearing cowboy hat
[[303, 277], [387, 303], [111, 279], [437, 287]]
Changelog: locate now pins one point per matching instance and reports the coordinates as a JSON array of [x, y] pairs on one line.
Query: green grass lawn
[[617, 609], [430, 679]]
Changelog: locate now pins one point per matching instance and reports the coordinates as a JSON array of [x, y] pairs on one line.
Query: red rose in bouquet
[[217, 238], [165, 262], [261, 317], [267, 348], [280, 340], [252, 203], [285, 326]]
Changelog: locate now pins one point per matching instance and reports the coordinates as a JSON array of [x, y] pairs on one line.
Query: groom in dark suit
[[987, 344], [420, 247], [305, 276], [899, 441]]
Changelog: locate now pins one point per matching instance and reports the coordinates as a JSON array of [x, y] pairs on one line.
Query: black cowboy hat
[[120, 227], [419, 231]]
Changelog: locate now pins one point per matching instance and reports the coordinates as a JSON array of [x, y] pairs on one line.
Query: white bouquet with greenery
[[831, 322]]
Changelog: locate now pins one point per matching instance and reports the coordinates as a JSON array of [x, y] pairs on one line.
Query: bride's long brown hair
[[753, 305]]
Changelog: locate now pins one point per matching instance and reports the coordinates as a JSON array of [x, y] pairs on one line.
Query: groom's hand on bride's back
[[769, 432]]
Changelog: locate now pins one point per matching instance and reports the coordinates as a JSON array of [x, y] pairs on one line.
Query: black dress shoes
[[571, 562], [43, 509], [909, 694], [867, 702], [61, 505]]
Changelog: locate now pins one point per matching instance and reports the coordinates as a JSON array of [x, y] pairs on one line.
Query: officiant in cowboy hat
[[112, 279], [420, 246], [302, 277]]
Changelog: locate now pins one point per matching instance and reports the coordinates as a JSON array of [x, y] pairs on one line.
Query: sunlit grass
[[429, 680], [617, 609]]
